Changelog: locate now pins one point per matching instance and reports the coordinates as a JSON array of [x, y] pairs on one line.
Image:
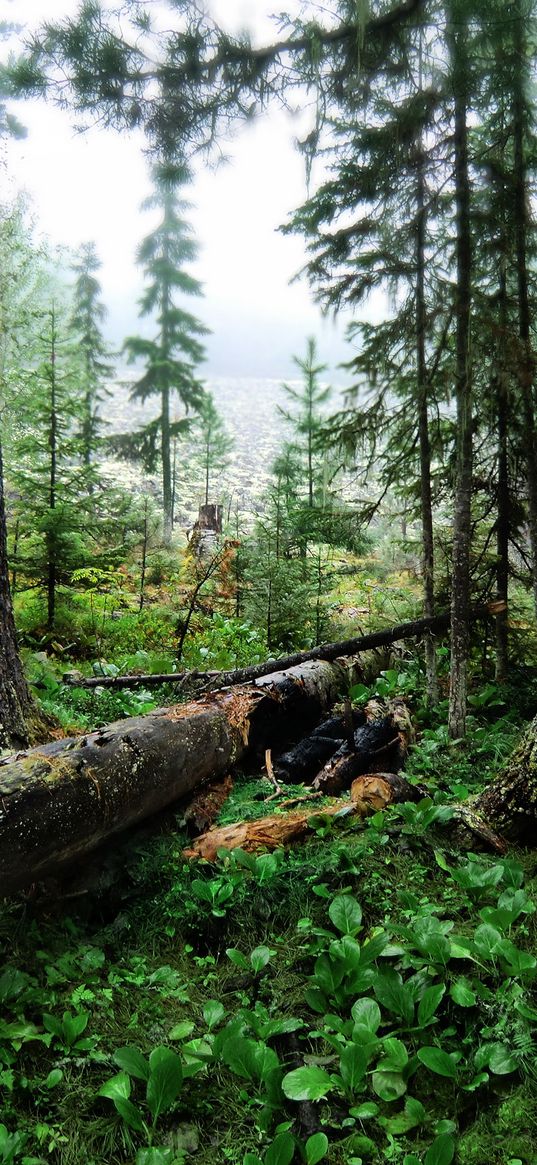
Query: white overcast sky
[[90, 186]]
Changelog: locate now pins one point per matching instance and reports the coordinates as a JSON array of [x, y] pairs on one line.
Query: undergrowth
[[367, 998]]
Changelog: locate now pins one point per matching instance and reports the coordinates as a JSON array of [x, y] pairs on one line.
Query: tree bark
[[17, 712], [460, 579], [61, 801]]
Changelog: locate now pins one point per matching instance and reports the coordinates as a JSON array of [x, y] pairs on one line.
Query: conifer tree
[[304, 416], [53, 489], [172, 356], [87, 316], [212, 443]]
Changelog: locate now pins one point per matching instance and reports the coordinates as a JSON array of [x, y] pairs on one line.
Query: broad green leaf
[[237, 958], [429, 1003], [181, 1031], [438, 1061], [461, 993], [74, 1025], [441, 1152], [307, 1084], [54, 1078], [353, 1067], [316, 1148], [118, 1091], [213, 1013], [391, 993], [346, 914], [328, 975], [487, 940], [132, 1061], [388, 1085], [12, 982], [366, 1012], [282, 1150], [365, 1111], [259, 958], [165, 1080], [500, 1061], [395, 1055], [251, 1159], [156, 1156]]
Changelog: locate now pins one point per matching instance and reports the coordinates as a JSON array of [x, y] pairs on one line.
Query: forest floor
[[367, 997]]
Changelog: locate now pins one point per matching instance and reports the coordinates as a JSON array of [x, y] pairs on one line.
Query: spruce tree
[[87, 316], [172, 356], [211, 442]]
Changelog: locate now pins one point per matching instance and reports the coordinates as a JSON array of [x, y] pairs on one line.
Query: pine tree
[[304, 416], [212, 443], [53, 490], [171, 358], [87, 316]]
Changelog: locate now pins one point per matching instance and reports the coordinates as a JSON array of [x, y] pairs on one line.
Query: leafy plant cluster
[[308, 1007]]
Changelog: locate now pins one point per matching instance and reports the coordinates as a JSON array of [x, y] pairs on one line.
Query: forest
[[268, 695]]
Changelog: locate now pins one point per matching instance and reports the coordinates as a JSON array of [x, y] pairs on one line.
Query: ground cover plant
[[369, 997]]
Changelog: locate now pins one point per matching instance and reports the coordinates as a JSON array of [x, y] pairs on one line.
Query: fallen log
[[325, 651], [369, 793], [60, 801], [382, 743]]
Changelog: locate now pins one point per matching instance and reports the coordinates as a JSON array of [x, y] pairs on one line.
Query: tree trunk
[[460, 581], [61, 801], [526, 363], [16, 708], [509, 803]]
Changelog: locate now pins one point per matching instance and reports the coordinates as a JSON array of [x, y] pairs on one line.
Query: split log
[[302, 762], [327, 651], [369, 793], [382, 743], [62, 800]]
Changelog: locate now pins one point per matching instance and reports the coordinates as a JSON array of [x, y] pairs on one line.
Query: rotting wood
[[369, 793], [61, 801], [326, 651], [381, 743]]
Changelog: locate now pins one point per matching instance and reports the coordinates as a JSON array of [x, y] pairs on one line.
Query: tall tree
[[212, 443], [172, 356], [87, 316]]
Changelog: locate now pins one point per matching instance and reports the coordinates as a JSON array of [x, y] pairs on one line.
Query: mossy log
[[59, 802], [509, 803]]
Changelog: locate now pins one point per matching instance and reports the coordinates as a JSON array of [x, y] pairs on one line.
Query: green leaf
[[438, 1061], [259, 958], [353, 1067], [366, 1012], [462, 993], [54, 1078], [441, 1152], [500, 1060], [181, 1031], [395, 1055], [118, 1091], [251, 1159], [316, 1148], [237, 958], [132, 1061], [429, 1003], [307, 1084], [388, 1085], [487, 940], [165, 1080], [213, 1013], [391, 993], [365, 1111], [282, 1150], [157, 1156], [345, 914]]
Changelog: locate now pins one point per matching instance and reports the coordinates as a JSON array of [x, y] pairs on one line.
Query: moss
[[505, 1134]]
